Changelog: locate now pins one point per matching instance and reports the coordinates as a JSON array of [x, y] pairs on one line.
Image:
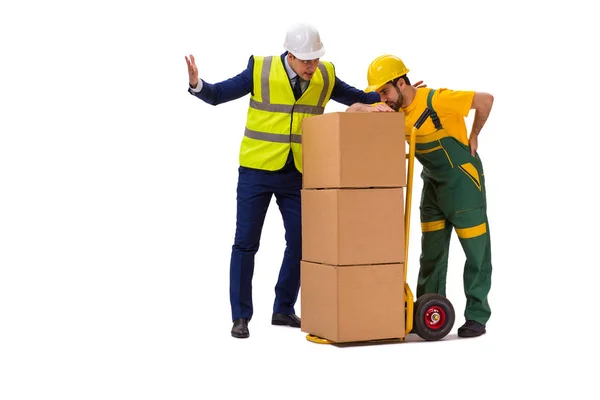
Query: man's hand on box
[[379, 107], [419, 85]]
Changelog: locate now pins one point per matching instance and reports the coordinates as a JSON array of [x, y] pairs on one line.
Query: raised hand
[[192, 70]]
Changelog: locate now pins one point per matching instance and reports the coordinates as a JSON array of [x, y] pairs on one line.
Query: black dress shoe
[[240, 328], [286, 319], [471, 329]]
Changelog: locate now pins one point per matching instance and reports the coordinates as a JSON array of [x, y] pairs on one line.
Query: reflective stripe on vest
[[274, 122]]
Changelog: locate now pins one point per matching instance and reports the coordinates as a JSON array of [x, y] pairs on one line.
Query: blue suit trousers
[[254, 192]]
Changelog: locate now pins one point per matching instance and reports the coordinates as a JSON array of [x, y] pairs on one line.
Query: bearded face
[[391, 95]]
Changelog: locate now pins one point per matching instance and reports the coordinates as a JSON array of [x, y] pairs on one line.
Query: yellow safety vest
[[274, 120]]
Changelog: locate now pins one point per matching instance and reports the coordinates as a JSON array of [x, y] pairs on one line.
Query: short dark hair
[[395, 80]]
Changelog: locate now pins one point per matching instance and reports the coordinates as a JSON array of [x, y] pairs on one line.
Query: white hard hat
[[304, 42]]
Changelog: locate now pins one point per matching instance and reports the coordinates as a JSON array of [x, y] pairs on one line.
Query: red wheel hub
[[434, 317]]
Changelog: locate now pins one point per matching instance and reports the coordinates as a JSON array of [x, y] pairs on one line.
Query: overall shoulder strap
[[433, 115]]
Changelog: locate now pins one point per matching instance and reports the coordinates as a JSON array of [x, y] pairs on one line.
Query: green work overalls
[[453, 196]]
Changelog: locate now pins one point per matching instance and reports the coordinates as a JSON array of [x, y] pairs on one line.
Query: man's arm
[[482, 104], [348, 95], [224, 91]]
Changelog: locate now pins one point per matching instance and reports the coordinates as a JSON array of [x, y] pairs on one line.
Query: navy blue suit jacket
[[241, 84]]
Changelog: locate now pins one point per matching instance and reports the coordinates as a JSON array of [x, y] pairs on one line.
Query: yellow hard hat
[[384, 69]]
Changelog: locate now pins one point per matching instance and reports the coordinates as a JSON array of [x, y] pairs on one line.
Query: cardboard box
[[356, 303], [354, 150], [353, 226]]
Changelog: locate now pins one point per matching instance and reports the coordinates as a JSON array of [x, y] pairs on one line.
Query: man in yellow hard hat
[[453, 194]]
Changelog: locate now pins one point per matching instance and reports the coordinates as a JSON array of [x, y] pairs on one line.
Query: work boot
[[471, 329]]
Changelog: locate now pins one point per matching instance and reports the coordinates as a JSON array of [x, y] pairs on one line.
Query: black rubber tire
[[433, 317]]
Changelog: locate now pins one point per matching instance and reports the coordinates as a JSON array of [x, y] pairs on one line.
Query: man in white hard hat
[[283, 91]]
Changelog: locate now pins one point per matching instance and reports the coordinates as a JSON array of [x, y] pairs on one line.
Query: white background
[[117, 201]]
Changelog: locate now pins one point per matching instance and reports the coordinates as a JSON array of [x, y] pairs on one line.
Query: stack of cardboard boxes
[[352, 270]]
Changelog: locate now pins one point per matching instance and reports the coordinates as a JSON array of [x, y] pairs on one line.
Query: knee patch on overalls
[[474, 231]]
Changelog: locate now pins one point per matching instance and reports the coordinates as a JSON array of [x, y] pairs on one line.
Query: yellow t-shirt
[[451, 106]]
